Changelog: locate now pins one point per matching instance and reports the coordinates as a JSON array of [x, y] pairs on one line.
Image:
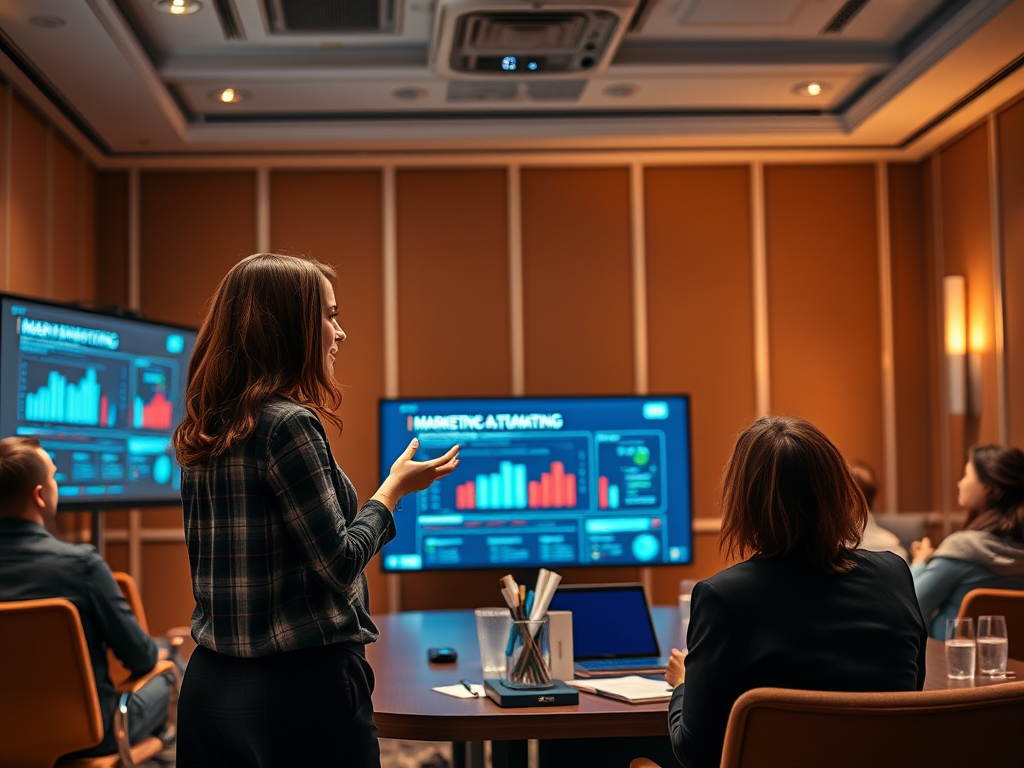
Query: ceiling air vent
[[500, 39], [330, 16]]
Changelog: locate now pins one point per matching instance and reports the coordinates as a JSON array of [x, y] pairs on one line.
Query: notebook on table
[[612, 629]]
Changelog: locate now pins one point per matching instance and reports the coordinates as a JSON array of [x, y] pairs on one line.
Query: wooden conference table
[[406, 707]]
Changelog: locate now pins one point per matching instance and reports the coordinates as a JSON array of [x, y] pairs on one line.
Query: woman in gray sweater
[[989, 552]]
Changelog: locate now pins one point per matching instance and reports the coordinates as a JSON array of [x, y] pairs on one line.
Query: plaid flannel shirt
[[277, 543]]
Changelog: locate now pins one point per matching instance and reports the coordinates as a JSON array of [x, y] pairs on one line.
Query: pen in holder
[[528, 662]]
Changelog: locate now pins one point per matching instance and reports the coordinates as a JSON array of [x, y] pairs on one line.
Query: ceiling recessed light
[[813, 88], [229, 95], [177, 7], [47, 22], [620, 90], [409, 94]]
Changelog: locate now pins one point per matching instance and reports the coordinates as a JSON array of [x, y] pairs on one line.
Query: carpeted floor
[[394, 753]]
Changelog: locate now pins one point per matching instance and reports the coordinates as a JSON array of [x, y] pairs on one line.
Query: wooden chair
[[999, 602], [774, 727], [48, 700]]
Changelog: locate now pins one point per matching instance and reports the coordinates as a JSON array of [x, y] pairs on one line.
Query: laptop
[[612, 630]]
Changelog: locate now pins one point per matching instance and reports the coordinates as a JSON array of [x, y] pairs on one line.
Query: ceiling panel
[[692, 72]]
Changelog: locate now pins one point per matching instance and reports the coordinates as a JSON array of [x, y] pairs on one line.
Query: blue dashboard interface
[[544, 482], [102, 394]]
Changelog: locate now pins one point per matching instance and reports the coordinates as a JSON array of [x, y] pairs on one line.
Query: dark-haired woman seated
[[807, 610], [989, 552]]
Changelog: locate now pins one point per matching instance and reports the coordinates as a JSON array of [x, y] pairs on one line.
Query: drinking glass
[[528, 662], [492, 628], [685, 588], [992, 646], [960, 648]]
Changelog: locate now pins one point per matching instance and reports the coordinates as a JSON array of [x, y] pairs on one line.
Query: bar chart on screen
[[60, 393]]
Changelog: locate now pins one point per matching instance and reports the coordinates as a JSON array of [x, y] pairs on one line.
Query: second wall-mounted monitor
[[559, 481], [102, 394]]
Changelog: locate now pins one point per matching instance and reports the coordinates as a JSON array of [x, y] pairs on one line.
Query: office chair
[[48, 700], [772, 727], [177, 640], [999, 602]]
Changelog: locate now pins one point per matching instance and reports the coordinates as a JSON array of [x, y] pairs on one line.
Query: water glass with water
[[992, 646], [960, 648]]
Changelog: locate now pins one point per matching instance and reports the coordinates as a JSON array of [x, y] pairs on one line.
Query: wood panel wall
[[967, 250], [47, 207], [913, 337], [1011, 220], [823, 302]]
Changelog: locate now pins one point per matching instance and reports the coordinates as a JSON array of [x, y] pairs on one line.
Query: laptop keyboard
[[645, 662]]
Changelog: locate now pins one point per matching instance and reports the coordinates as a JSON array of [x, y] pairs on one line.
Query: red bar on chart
[[533, 494], [157, 413], [570, 490], [557, 484], [465, 495], [545, 489], [104, 405], [602, 492]]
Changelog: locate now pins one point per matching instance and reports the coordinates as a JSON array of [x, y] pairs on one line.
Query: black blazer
[[774, 622]]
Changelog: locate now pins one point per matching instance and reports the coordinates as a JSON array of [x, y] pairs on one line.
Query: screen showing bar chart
[[101, 393], [545, 481]]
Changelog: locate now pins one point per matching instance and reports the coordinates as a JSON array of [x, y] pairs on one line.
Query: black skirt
[[310, 708]]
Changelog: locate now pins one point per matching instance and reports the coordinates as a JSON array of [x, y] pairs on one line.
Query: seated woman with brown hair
[[807, 610], [989, 552]]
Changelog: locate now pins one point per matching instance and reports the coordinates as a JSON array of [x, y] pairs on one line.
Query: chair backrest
[[999, 602], [769, 727], [130, 590], [48, 702]]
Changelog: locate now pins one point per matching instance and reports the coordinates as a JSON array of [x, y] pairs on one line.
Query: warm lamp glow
[[954, 293], [979, 339], [227, 95], [954, 299]]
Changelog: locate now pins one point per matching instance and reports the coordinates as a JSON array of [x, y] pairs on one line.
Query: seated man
[[36, 565]]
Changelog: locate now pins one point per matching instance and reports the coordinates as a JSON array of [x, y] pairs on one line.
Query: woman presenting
[[807, 610], [989, 552], [277, 541]]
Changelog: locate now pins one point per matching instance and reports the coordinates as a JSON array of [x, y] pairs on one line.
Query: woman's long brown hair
[[260, 338]]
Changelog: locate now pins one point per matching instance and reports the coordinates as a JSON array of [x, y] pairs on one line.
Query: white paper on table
[[459, 691], [632, 688]]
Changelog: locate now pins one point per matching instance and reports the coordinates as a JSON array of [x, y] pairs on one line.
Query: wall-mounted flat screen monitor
[[552, 481], [102, 393]]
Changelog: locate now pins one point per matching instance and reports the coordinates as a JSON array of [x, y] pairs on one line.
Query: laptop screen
[[608, 620]]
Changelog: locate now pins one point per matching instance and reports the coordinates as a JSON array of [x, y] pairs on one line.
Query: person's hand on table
[[675, 672], [921, 550]]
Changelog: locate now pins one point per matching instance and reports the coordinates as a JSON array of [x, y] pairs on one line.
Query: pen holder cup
[[528, 657]]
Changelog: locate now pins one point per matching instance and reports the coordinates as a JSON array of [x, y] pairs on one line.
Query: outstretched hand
[[921, 550], [410, 476], [675, 672]]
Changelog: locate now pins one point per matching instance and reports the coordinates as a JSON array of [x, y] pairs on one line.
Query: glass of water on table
[[992, 646], [960, 648]]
